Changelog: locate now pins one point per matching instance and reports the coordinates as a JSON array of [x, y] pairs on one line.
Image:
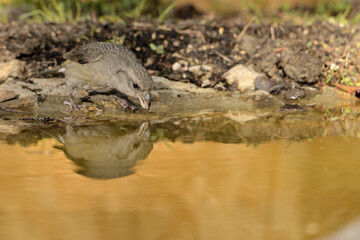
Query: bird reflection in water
[[104, 151]]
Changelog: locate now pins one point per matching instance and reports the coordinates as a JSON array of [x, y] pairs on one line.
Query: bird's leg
[[72, 102], [125, 104]]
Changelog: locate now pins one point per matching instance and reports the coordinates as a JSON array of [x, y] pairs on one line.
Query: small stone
[[206, 83], [200, 69], [176, 66], [176, 43], [302, 67], [268, 84], [221, 31], [330, 97], [14, 68], [241, 76], [153, 36], [7, 95]]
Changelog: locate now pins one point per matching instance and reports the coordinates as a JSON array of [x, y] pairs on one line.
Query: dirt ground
[[201, 50]]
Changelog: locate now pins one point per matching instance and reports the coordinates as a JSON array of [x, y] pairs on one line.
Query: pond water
[[195, 178]]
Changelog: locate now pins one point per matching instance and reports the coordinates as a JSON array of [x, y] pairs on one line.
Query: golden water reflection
[[205, 190]]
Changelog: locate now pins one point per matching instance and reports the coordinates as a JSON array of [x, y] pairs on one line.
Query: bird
[[108, 66]]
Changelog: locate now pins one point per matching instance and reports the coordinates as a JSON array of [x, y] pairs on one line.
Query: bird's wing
[[84, 54]]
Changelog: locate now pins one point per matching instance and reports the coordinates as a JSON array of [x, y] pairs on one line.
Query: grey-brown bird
[[106, 66]]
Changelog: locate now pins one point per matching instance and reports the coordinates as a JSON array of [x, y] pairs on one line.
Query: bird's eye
[[135, 85]]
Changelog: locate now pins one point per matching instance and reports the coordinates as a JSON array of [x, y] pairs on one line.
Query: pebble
[[153, 36], [241, 76], [268, 84], [176, 66], [7, 95], [176, 43], [206, 83], [221, 31], [14, 68]]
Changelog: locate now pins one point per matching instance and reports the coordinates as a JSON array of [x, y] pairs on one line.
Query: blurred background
[[120, 10]]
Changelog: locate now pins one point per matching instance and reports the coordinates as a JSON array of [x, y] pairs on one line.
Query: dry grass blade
[[243, 31]]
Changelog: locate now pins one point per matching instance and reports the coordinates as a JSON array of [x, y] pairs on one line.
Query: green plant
[[159, 49], [3, 16], [166, 11], [54, 11], [77, 10]]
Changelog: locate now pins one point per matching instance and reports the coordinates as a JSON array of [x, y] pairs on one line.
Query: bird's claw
[[125, 104]]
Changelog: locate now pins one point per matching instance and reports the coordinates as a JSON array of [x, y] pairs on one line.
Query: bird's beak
[[144, 100]]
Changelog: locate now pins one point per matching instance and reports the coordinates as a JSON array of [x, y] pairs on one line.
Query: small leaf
[[160, 49], [84, 37], [153, 47]]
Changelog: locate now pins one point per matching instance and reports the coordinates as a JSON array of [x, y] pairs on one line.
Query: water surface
[[196, 178]]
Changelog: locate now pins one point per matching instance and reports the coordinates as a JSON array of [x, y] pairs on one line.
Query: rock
[[206, 83], [269, 61], [161, 83], [176, 66], [199, 69], [302, 67], [332, 97], [176, 43], [7, 95], [25, 98], [268, 84], [243, 77], [26, 103], [14, 68]]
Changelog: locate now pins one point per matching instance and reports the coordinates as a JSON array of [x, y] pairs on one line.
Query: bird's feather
[[83, 56]]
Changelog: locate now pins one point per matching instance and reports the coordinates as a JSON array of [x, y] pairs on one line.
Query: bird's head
[[135, 82]]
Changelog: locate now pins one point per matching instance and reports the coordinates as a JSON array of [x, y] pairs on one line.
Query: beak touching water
[[144, 100]]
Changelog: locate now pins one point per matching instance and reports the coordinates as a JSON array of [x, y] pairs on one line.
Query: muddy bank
[[47, 97], [215, 66], [289, 56]]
